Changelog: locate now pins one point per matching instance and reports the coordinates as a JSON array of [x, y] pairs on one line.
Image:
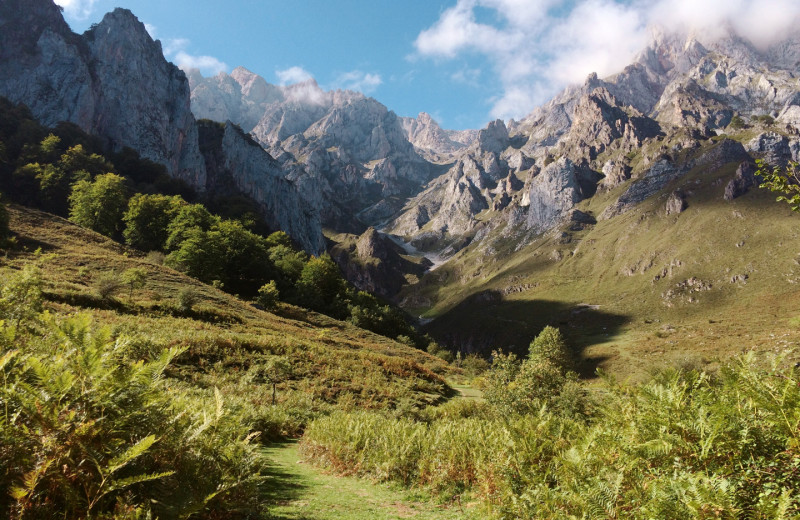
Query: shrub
[[155, 257], [21, 296], [683, 445], [268, 295], [737, 123], [188, 297], [107, 285]]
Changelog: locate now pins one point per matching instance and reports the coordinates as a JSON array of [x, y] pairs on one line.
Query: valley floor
[[300, 491]]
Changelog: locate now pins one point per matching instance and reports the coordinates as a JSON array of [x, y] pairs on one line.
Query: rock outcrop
[[556, 190], [112, 81], [742, 181], [427, 136]]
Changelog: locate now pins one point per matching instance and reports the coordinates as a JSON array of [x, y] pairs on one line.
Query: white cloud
[[208, 65], [77, 9], [293, 75], [539, 46], [175, 50], [174, 45], [357, 80], [152, 30]]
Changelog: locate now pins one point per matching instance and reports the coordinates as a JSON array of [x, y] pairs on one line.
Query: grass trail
[[303, 492], [467, 392]]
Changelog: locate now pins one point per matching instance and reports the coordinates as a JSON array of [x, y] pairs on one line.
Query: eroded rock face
[[656, 178], [112, 81], [742, 181], [236, 162], [775, 148], [348, 155], [556, 190]]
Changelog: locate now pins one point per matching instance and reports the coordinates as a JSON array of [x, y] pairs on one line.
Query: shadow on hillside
[[486, 321]]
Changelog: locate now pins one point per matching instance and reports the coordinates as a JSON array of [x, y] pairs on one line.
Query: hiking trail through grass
[[301, 491]]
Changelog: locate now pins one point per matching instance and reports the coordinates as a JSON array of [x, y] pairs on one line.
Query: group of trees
[[133, 200]]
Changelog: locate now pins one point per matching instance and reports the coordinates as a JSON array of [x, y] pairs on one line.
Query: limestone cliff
[[112, 81]]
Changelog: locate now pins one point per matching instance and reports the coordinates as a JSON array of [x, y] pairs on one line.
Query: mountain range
[[432, 218]]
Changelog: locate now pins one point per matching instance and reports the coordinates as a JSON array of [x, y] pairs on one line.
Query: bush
[[107, 285], [21, 296], [188, 297], [737, 123], [526, 386], [268, 295]]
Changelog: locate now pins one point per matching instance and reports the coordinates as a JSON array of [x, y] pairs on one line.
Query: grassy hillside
[[636, 291], [332, 362]]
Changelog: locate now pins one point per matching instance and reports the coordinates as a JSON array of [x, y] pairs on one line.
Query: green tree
[[25, 184], [781, 180], [199, 256], [289, 263], [134, 278], [541, 379], [54, 189], [247, 263], [549, 347], [274, 370], [99, 205], [148, 218], [188, 218], [321, 286], [79, 164], [50, 149]]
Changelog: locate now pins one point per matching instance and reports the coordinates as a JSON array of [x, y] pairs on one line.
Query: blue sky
[[465, 62]]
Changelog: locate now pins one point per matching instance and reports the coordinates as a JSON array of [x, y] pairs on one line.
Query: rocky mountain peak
[[493, 138], [125, 29], [112, 81], [22, 23]]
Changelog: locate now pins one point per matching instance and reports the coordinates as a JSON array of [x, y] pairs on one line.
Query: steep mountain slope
[[677, 94], [348, 154], [114, 83], [331, 361], [237, 164], [688, 273]]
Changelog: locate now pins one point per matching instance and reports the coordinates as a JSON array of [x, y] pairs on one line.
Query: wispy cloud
[[293, 75], [467, 76], [539, 46], [77, 9], [175, 49], [357, 80]]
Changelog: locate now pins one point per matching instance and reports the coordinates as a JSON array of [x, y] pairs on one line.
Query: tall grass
[[684, 445]]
